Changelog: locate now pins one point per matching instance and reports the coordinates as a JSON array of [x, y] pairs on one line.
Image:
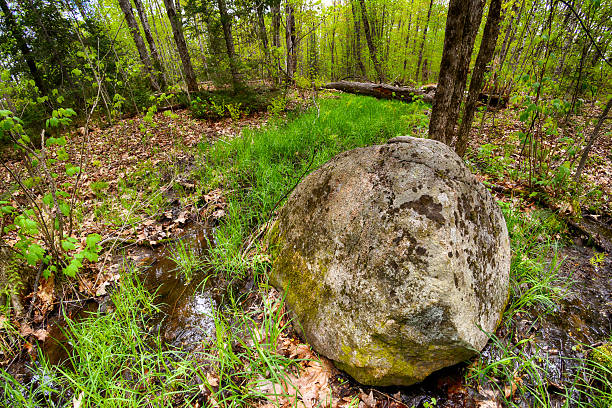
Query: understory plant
[[43, 221]]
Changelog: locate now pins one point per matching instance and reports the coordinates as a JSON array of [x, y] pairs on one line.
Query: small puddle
[[186, 306]]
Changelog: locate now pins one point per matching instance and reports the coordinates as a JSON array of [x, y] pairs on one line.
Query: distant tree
[[226, 23], [144, 21], [126, 8], [16, 31], [291, 40], [181, 45], [370, 42], [418, 67]]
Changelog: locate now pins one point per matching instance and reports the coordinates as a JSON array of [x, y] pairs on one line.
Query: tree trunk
[[181, 45], [407, 42], [357, 44], [371, 45], [226, 23], [418, 67], [126, 7], [485, 54], [263, 34], [160, 74], [461, 27], [17, 34], [592, 139], [290, 38]]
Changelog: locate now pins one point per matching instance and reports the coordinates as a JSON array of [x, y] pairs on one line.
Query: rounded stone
[[394, 260]]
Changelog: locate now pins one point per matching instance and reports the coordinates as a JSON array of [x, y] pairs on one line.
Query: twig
[[31, 308]]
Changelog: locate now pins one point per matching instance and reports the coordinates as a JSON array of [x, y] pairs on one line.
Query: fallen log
[[384, 91]]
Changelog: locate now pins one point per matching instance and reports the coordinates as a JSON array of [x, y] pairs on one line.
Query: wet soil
[[186, 306]]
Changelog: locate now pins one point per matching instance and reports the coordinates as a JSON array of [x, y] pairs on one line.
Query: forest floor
[[181, 312]]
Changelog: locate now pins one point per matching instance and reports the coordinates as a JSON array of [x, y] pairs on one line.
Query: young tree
[[126, 7], [226, 23], [485, 54], [461, 28], [181, 45]]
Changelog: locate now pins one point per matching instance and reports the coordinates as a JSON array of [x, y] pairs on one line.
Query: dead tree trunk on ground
[[383, 91]]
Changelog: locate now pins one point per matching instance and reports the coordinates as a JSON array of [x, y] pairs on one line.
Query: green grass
[[188, 259], [536, 240], [115, 361], [259, 169], [536, 289]]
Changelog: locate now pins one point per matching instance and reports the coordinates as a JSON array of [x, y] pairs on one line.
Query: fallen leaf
[[77, 402]]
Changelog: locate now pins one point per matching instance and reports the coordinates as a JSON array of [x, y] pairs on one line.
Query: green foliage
[[44, 224]]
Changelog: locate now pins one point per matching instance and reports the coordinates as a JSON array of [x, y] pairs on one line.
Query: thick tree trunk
[[461, 27], [418, 67], [126, 7], [383, 91], [290, 38], [592, 139], [485, 54], [181, 45], [160, 74], [226, 23], [371, 45], [17, 34]]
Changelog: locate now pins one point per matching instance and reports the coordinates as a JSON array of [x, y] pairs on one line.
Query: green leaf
[[72, 269], [92, 240], [91, 256], [7, 209], [68, 246], [64, 208], [34, 254], [72, 170], [77, 72]]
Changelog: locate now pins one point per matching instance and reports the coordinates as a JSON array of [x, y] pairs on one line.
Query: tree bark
[[181, 45], [592, 139], [160, 74], [357, 44], [461, 27], [485, 54], [126, 7], [290, 38], [226, 23], [418, 67], [371, 45], [12, 26]]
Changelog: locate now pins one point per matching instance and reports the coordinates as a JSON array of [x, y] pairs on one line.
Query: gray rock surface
[[391, 258]]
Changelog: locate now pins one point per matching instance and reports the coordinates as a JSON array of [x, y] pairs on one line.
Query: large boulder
[[394, 260]]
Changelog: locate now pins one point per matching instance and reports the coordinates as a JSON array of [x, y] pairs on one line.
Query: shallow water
[[186, 307]]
